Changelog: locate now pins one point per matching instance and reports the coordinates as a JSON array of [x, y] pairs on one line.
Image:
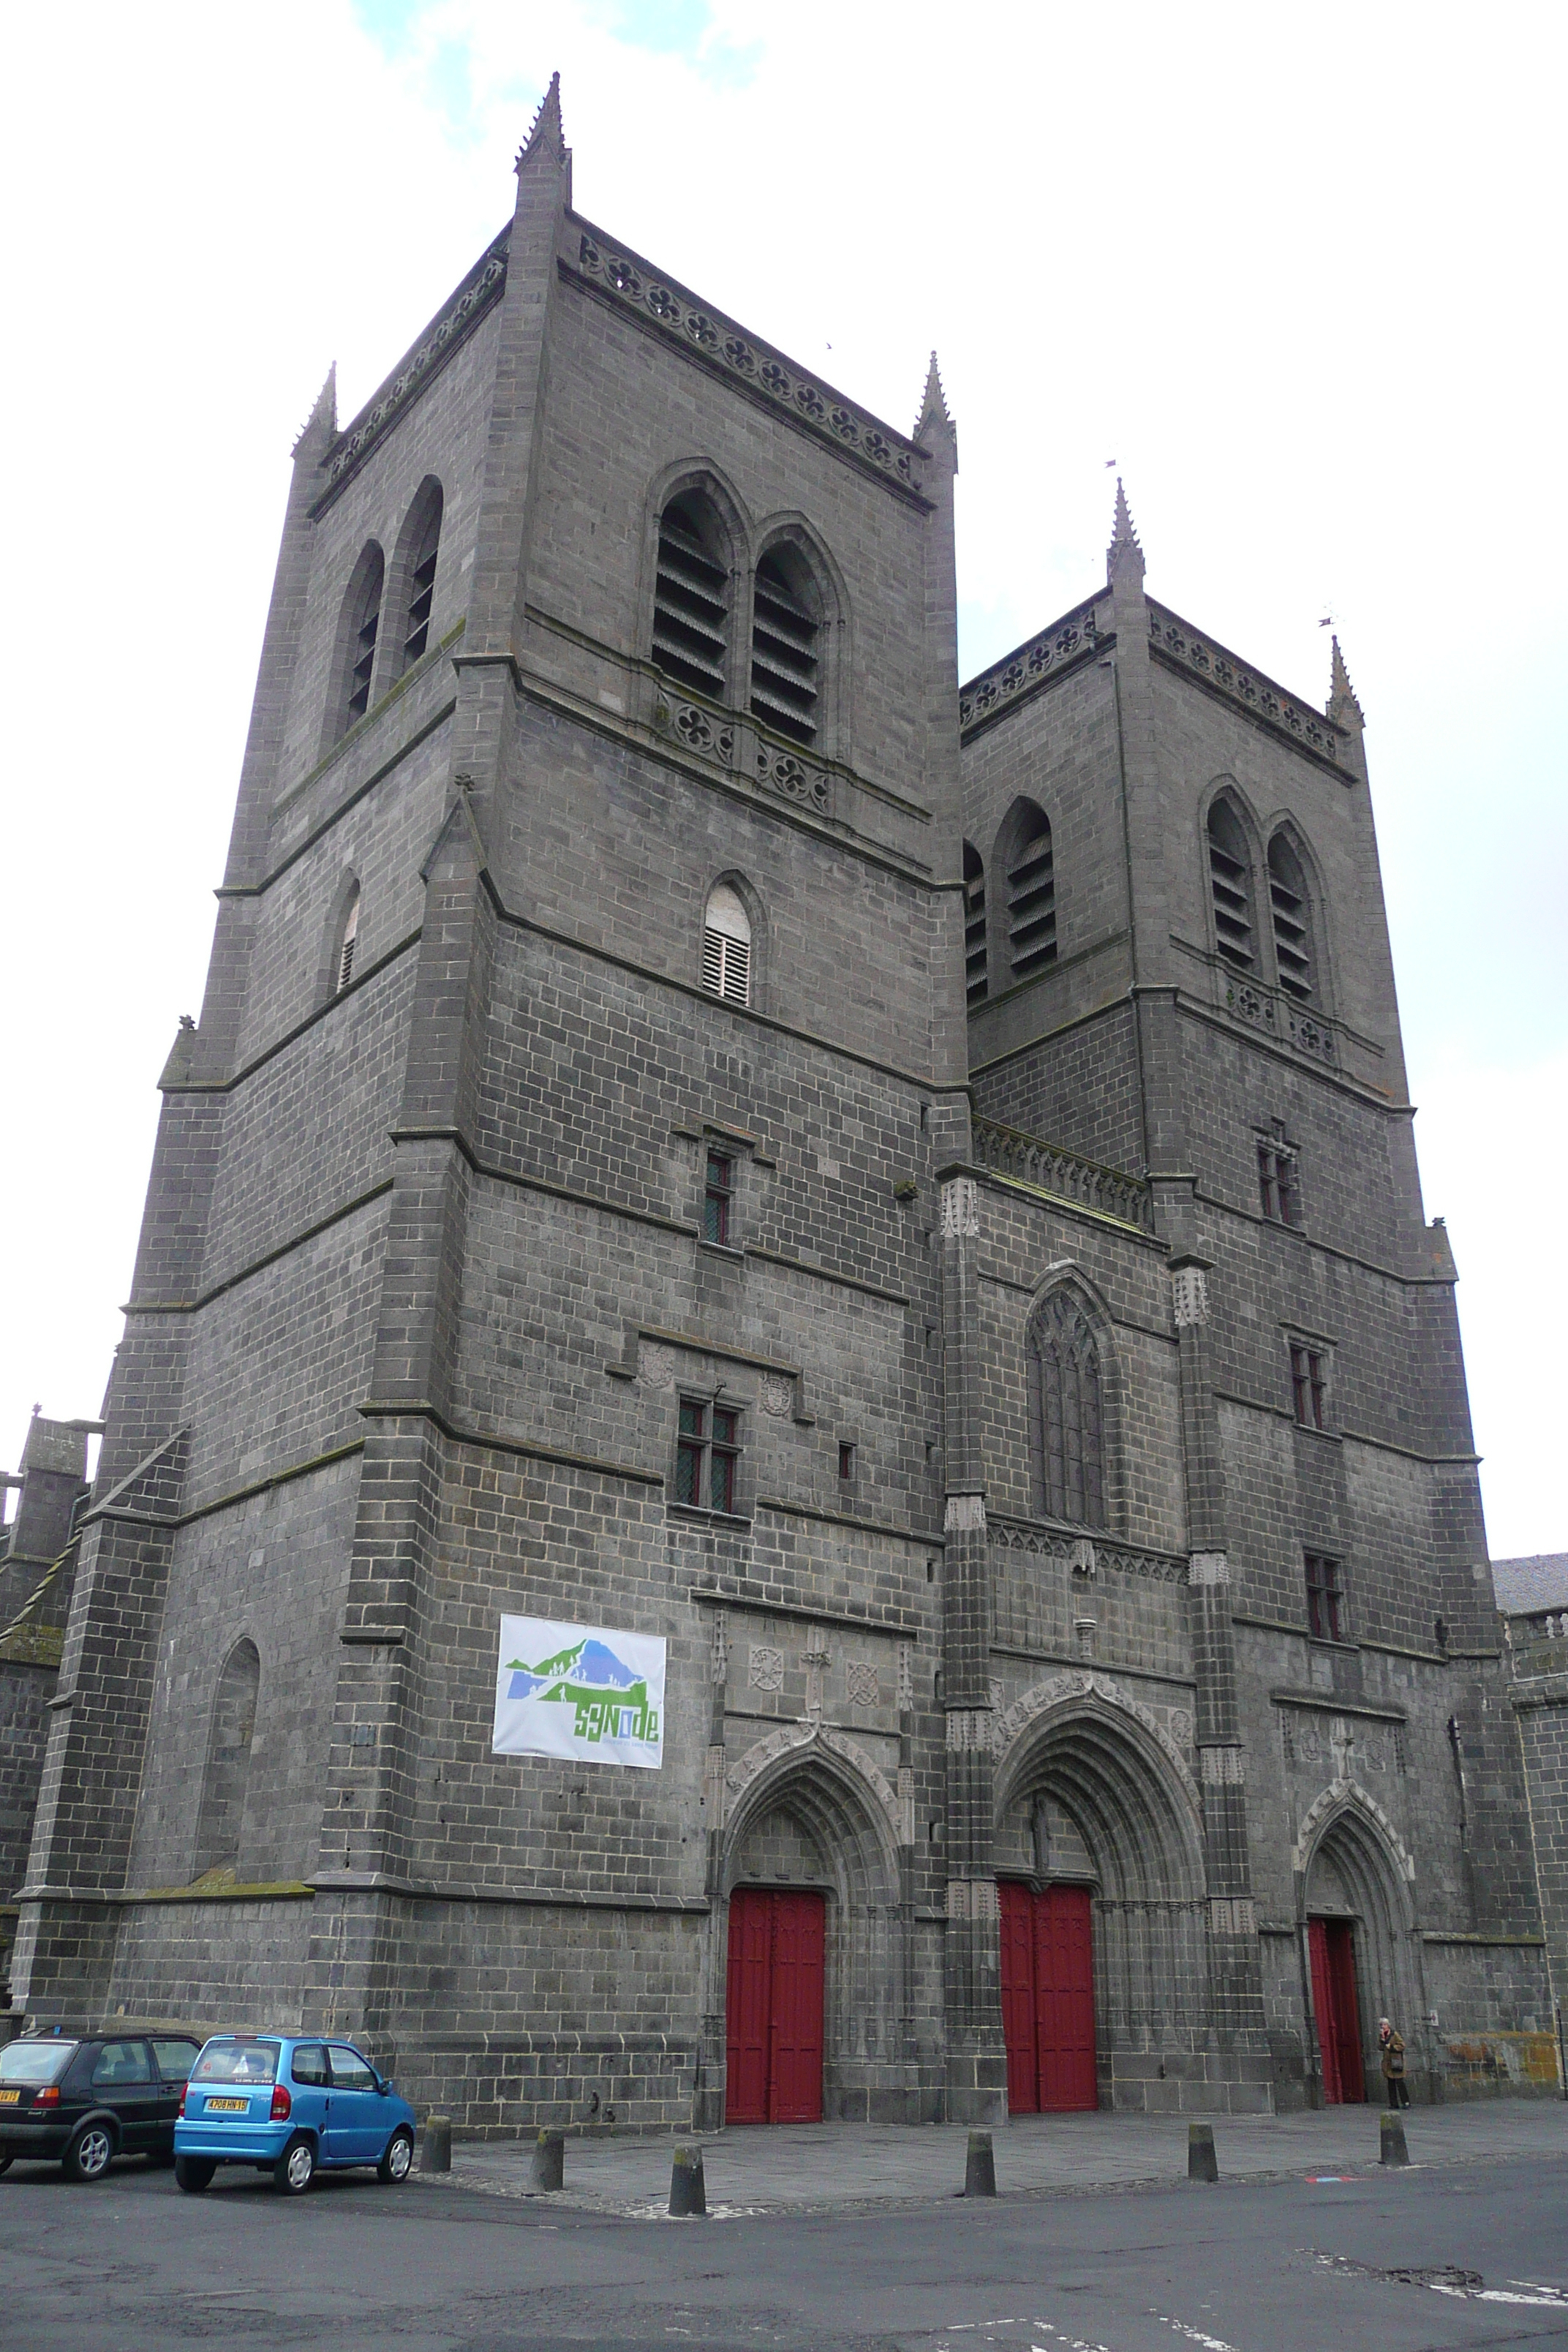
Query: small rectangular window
[[1325, 1598], [845, 1461], [717, 1197], [1278, 1190], [1309, 1385], [708, 1456]]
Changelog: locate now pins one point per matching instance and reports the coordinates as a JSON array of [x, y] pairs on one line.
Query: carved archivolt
[[797, 1743], [1062, 1692], [1348, 1796]]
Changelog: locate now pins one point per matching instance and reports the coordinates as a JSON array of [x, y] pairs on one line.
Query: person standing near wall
[[1392, 2046]]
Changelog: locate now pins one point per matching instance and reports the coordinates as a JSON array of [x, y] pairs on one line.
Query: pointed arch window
[[364, 625], [727, 946], [1066, 1410], [227, 1781], [974, 953], [692, 597], [344, 969], [1291, 910], [785, 628], [1230, 887], [421, 580], [1031, 896]]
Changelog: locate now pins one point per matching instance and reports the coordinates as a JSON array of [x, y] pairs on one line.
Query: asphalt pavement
[[1458, 2254]]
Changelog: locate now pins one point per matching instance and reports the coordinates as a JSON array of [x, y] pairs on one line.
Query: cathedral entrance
[[1048, 1999], [774, 2020], [1331, 1944]]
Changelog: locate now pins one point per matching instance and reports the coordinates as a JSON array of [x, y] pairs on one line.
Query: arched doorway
[[1104, 1953], [812, 1957], [1355, 1922]]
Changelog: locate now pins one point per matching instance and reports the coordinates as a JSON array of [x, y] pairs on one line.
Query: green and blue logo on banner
[[581, 1691]]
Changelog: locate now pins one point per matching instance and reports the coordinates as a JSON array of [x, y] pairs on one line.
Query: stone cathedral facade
[[700, 1129]]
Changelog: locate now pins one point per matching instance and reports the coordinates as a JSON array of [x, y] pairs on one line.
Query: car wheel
[[194, 2173], [398, 2161], [295, 2169], [88, 2156]]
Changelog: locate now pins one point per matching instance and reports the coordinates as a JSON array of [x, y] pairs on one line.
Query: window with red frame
[[1309, 1385], [718, 1198], [1325, 1598], [708, 1454]]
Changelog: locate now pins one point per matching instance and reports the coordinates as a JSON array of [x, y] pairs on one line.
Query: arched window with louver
[[727, 946], [222, 1821], [1067, 1414], [1230, 886], [692, 597], [421, 586], [974, 951], [363, 624], [1290, 906], [786, 625], [343, 963], [1031, 896]]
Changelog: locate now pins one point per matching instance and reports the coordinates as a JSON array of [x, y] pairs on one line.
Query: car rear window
[[237, 2062], [173, 2059], [34, 2061]]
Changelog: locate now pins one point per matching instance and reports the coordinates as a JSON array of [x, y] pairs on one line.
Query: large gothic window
[[1067, 1413], [222, 1820]]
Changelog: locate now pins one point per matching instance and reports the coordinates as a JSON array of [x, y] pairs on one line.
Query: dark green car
[[87, 2098]]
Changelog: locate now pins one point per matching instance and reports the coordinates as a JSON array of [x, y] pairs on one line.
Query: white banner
[[579, 1691]]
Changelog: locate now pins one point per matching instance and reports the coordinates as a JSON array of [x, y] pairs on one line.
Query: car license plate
[[229, 2107], [9, 2098]]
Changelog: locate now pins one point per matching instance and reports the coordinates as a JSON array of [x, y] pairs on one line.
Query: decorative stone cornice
[[1063, 646], [479, 292], [1065, 1175], [660, 302], [1182, 647]]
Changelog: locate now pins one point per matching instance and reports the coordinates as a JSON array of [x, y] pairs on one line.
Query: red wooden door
[[1048, 1999], [1064, 1998], [1331, 1949], [1017, 1908], [774, 2023]]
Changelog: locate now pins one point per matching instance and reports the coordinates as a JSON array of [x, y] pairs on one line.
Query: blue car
[[288, 2104]]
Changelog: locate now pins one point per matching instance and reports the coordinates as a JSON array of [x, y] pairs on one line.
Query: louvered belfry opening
[[422, 584], [785, 665], [350, 939], [975, 982], [367, 622], [1292, 926], [727, 946], [1031, 898], [1230, 882], [691, 599]]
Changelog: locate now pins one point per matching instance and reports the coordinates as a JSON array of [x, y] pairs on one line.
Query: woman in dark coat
[[1392, 2046]]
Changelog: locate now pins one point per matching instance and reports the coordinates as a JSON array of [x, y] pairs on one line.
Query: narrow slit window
[[1031, 899], [727, 946], [422, 584], [785, 664], [975, 950], [1230, 886], [1278, 1188], [1325, 1598], [691, 598], [345, 972], [719, 1199], [846, 1461], [1292, 921]]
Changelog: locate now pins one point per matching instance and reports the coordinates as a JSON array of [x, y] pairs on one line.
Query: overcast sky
[[1297, 271]]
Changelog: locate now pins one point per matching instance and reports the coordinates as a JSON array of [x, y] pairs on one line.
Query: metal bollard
[[687, 2194], [1203, 2164], [1391, 2134], [550, 2160], [980, 2166], [436, 2145]]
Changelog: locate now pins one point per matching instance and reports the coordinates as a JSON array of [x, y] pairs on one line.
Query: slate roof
[[1539, 1582]]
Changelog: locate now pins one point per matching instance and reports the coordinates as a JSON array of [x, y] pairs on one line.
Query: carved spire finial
[[934, 409], [323, 416], [1342, 707], [1123, 557], [545, 131]]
